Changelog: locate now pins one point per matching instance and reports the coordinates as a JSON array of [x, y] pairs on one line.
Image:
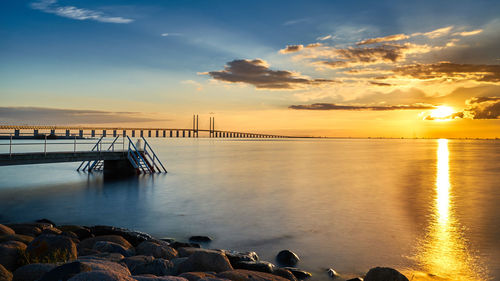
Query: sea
[[427, 207]]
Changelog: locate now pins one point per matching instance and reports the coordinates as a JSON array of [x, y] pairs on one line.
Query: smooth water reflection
[[444, 252]]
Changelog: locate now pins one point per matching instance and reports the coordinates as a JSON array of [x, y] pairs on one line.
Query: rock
[[46, 221], [157, 278], [11, 253], [87, 252], [194, 276], [356, 279], [16, 237], [235, 257], [287, 258], [80, 231], [32, 272], [110, 247], [206, 261], [5, 230], [332, 273], [150, 265], [200, 239], [5, 275], [101, 276], [65, 271], [188, 251], [71, 235], [262, 266], [52, 248], [134, 237], [214, 279], [168, 239], [52, 230], [89, 242], [158, 251], [299, 273], [105, 265], [114, 257], [133, 262], [247, 275], [176, 245], [176, 264], [26, 229], [284, 273], [384, 274]]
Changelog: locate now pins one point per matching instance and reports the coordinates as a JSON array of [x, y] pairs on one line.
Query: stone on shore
[[46, 221], [89, 242], [156, 250], [114, 257], [5, 230], [132, 236], [32, 272], [206, 261], [176, 245], [356, 279], [159, 267], [80, 231], [65, 271], [384, 274], [26, 229], [332, 273], [135, 261], [158, 278], [105, 265], [284, 273], [52, 230], [194, 276], [110, 247], [287, 258], [262, 266], [16, 237], [235, 257], [199, 238], [247, 275], [52, 248], [101, 276], [299, 273], [5, 275], [11, 253]]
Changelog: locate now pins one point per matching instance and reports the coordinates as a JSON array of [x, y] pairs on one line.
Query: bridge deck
[[58, 157]]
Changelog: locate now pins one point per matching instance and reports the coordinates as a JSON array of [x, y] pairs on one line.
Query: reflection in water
[[444, 251]]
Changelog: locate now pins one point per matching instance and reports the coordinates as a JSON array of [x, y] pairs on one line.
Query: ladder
[[144, 160]]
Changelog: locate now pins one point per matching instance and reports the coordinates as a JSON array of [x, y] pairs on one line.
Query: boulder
[[206, 261], [176, 245], [247, 275], [65, 271], [158, 278], [148, 248], [110, 247], [214, 279], [284, 273], [114, 257], [134, 237], [16, 237], [89, 242], [332, 273], [287, 258], [52, 230], [5, 230], [71, 235], [52, 248], [11, 253], [384, 274], [194, 276], [188, 251], [262, 266], [32, 272], [135, 261], [87, 252], [46, 221], [5, 275], [235, 257], [80, 231], [199, 238], [176, 264], [299, 273], [101, 276], [356, 279], [105, 265], [26, 229], [159, 267]]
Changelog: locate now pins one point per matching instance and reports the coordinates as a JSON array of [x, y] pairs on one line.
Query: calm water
[[417, 205]]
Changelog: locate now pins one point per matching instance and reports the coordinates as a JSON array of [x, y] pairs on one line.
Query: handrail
[[88, 163], [136, 150], [154, 156], [113, 143]]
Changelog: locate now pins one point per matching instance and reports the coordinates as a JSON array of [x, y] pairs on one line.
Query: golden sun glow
[[442, 111]]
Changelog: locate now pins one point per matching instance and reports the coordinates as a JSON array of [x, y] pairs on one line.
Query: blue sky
[[169, 57]]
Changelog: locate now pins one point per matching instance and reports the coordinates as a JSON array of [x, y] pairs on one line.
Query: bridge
[[19, 131]]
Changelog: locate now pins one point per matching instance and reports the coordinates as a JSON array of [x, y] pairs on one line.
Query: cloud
[[446, 70], [435, 33], [323, 38], [170, 34], [483, 108], [468, 33], [256, 72], [332, 106], [50, 116], [380, 83], [296, 21], [199, 86], [291, 49], [449, 117], [395, 37], [368, 55], [72, 12]]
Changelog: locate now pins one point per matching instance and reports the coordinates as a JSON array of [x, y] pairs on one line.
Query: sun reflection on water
[[444, 252]]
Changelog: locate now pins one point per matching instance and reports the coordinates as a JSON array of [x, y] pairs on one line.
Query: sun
[[442, 111]]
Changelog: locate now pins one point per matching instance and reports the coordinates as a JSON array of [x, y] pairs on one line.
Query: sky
[[302, 68]]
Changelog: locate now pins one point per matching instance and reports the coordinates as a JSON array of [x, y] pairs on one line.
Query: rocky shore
[[45, 251]]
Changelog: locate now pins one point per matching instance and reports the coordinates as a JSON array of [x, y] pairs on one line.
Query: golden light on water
[[444, 252]]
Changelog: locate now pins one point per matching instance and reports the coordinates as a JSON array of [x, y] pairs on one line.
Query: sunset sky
[[315, 68]]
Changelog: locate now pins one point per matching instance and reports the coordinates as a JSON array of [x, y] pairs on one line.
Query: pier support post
[[16, 133], [67, 133], [52, 132], [142, 133], [133, 133], [92, 133], [157, 133], [124, 133], [104, 133], [149, 133], [164, 133], [183, 133], [35, 132], [171, 134], [80, 133], [177, 133], [114, 133], [189, 133]]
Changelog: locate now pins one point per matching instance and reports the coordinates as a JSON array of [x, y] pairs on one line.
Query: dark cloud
[[332, 106], [483, 108], [451, 116], [41, 115], [395, 37], [380, 84], [256, 72], [369, 55], [291, 49], [445, 70]]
